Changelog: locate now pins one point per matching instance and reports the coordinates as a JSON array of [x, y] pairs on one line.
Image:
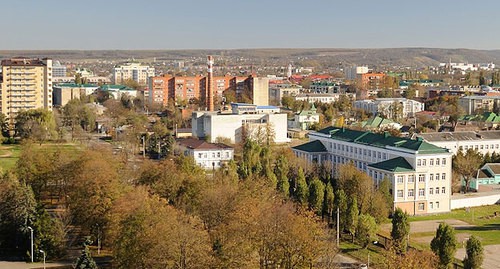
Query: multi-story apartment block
[[479, 104], [420, 172], [245, 120], [135, 71], [370, 81], [353, 72], [279, 89], [166, 87], [25, 84], [388, 106], [58, 70], [483, 141]]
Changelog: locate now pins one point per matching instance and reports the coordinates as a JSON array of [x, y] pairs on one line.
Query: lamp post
[[31, 233], [43, 252]]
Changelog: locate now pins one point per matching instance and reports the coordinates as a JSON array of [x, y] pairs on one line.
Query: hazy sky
[[226, 24]]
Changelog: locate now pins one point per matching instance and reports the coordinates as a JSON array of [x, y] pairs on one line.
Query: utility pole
[[144, 147], [338, 228], [31, 232]]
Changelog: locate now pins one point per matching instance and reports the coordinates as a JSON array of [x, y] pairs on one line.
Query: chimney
[[210, 91]]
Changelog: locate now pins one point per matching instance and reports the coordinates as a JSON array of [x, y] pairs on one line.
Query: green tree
[[444, 244], [37, 124], [49, 235], [281, 170], [475, 255], [400, 230], [328, 202], [4, 126], [302, 191], [366, 230], [316, 194], [482, 78], [466, 165], [85, 261], [352, 216], [341, 205], [17, 212], [384, 188]]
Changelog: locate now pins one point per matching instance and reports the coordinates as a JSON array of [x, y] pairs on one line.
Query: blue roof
[[267, 107]]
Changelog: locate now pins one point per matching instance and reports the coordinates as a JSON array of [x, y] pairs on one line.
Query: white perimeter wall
[[475, 201]]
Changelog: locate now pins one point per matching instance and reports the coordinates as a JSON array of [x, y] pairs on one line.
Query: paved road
[[25, 265], [491, 257]]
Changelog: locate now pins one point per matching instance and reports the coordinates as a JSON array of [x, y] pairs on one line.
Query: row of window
[[421, 178], [421, 192], [421, 206], [432, 162], [205, 155], [477, 147], [358, 151]]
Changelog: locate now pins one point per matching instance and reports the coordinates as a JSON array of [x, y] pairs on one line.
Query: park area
[[9, 154], [482, 222]]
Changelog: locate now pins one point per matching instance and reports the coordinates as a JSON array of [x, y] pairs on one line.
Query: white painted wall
[[475, 201]]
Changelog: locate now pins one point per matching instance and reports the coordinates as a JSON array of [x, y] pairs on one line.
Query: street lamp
[[31, 232], [43, 252]]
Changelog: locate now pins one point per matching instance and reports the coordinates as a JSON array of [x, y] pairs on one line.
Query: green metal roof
[[313, 146], [74, 85], [381, 140], [398, 164], [375, 122], [111, 87]]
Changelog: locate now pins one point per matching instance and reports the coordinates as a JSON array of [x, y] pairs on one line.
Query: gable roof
[[398, 164], [196, 144], [381, 140], [313, 146]]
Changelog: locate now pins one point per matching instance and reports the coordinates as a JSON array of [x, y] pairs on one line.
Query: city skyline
[[223, 24]]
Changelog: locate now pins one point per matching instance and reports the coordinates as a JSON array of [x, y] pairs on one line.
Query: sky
[[240, 24]]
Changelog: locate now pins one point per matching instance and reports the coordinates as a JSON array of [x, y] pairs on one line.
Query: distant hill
[[412, 57]]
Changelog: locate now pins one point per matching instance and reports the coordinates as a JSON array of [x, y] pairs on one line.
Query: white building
[[58, 70], [206, 155], [245, 120], [318, 97], [482, 141], [420, 172], [134, 71], [116, 91], [304, 119], [386, 106]]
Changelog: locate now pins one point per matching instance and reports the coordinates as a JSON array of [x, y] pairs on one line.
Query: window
[[431, 205], [437, 190], [421, 192], [437, 204], [400, 193], [218, 154], [437, 176], [421, 206], [400, 179], [431, 191], [419, 162], [410, 193], [443, 190], [431, 177], [200, 155], [431, 162], [411, 179], [437, 161], [421, 178], [443, 162]]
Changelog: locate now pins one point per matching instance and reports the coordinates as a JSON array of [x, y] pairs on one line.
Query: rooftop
[[398, 164], [381, 140], [313, 146], [23, 62], [192, 143], [460, 136], [74, 85]]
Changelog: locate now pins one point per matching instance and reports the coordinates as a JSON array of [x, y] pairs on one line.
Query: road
[[25, 265]]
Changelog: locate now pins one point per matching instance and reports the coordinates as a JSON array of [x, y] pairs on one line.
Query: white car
[[363, 266]]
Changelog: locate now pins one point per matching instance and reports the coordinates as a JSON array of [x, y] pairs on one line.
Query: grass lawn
[[486, 224], [361, 254], [9, 154]]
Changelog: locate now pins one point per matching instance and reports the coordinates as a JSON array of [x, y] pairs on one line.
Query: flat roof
[[460, 136]]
